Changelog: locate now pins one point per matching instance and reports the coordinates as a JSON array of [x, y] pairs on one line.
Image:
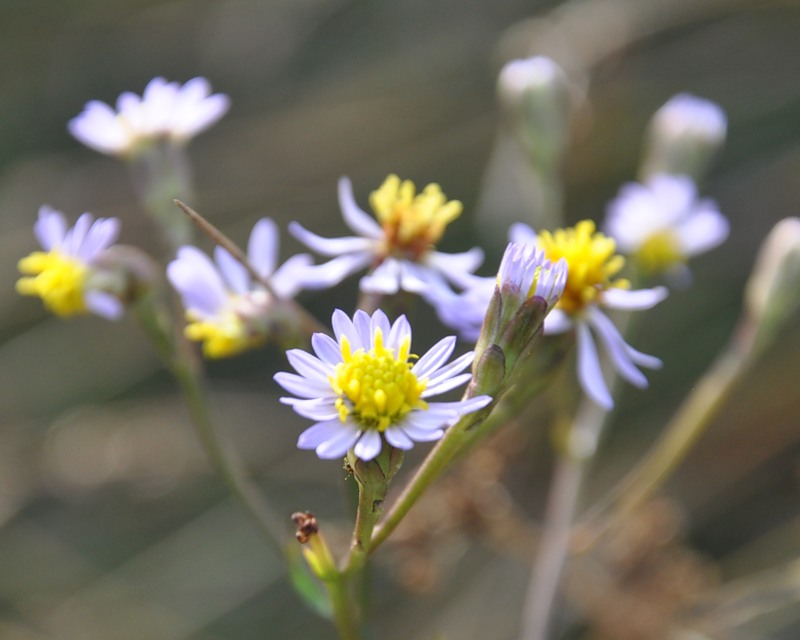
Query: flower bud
[[534, 94], [773, 291], [683, 136]]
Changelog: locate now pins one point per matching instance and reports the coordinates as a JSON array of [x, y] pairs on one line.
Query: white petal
[[308, 366], [50, 228], [521, 233], [384, 279], [378, 321], [703, 231], [419, 434], [321, 432], [330, 246], [330, 273], [368, 445], [457, 267], [101, 235], [589, 373], [399, 333], [326, 349], [339, 444], [362, 323], [396, 437], [615, 346], [343, 326], [233, 272], [557, 322], [74, 238], [262, 247], [303, 387], [444, 385], [355, 218], [198, 282], [288, 279], [637, 300], [435, 357], [104, 305], [316, 408]]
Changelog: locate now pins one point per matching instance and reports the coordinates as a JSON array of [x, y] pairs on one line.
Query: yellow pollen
[[412, 222], [225, 337], [660, 252], [591, 263], [57, 279], [376, 388]]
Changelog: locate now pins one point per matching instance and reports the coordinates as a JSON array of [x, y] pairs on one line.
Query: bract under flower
[[362, 388]]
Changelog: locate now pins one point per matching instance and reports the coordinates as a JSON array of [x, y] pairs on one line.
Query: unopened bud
[[489, 372], [773, 291], [683, 137], [535, 96]]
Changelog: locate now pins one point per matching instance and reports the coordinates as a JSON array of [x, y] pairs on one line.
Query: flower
[[683, 136], [361, 388], [685, 116], [66, 275], [662, 223], [398, 247], [591, 287], [226, 310], [166, 110], [524, 273]]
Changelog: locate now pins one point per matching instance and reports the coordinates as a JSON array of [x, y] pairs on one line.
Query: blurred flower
[[226, 309], [166, 110], [535, 95], [683, 136], [65, 275], [398, 247], [524, 273], [589, 288], [662, 223], [361, 388]]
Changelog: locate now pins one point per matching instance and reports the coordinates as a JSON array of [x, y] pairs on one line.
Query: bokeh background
[[112, 525]]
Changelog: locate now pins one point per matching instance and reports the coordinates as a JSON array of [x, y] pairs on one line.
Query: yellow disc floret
[[412, 222], [660, 252], [226, 336], [591, 263], [376, 388], [59, 280]]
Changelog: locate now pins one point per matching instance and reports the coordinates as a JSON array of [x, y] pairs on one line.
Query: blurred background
[[112, 525]]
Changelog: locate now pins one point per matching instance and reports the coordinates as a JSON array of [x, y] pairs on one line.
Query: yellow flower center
[[57, 279], [591, 263], [660, 252], [376, 387], [240, 327], [412, 222]]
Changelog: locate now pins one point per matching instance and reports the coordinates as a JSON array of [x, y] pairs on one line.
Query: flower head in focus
[[662, 224], [165, 111], [362, 389], [592, 286], [397, 245], [66, 275], [226, 309]]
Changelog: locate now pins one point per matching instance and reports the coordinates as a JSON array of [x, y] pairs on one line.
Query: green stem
[[345, 617], [689, 423], [181, 362], [431, 468]]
